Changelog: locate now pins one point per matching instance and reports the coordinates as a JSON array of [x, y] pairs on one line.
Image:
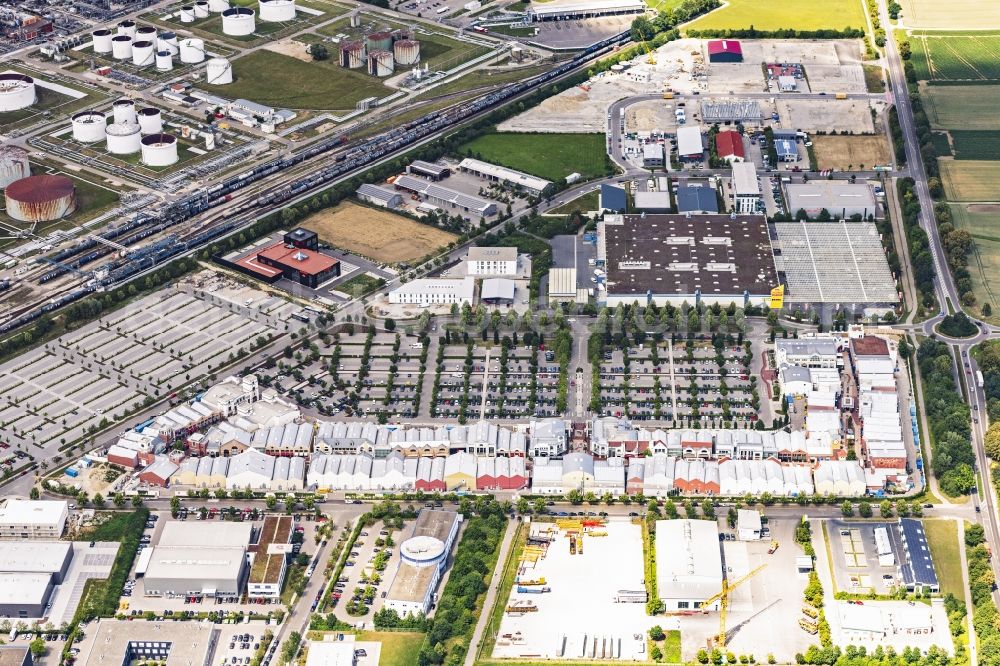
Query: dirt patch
[[983, 208], [377, 234], [845, 152], [290, 48]]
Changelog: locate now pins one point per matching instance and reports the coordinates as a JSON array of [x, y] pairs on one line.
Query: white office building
[[33, 519], [492, 261], [746, 187], [434, 291]]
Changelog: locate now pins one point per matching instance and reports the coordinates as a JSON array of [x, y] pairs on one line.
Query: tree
[[390, 325], [992, 443], [119, 500], [865, 509], [33, 493], [885, 509], [137, 501], [175, 506], [847, 509], [37, 647], [319, 52], [656, 633], [271, 502], [974, 535]]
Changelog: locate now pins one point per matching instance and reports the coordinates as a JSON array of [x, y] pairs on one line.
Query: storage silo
[[40, 198], [143, 53], [89, 126], [164, 61], [17, 91], [127, 27], [102, 41], [150, 120], [218, 6], [380, 63], [187, 14], [123, 138], [124, 111], [277, 11], [192, 50], [201, 9], [218, 72], [238, 21], [13, 165], [167, 41], [121, 47], [406, 51], [401, 33], [159, 150], [352, 55], [379, 41], [146, 32]]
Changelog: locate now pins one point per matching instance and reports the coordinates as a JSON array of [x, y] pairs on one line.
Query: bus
[[442, 10], [979, 378]]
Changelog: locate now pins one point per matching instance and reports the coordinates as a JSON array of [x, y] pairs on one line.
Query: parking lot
[[362, 586], [680, 381], [71, 385], [855, 557]]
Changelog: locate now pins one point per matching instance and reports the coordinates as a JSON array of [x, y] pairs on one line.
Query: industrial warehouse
[[676, 259], [424, 554]]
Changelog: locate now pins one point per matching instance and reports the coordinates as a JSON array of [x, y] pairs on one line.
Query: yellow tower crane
[[723, 598], [650, 58]]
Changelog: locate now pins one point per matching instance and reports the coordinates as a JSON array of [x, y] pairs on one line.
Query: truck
[[774, 547], [979, 378], [668, 95], [532, 590], [841, 95]]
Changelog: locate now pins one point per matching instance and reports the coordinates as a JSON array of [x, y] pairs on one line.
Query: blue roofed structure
[[698, 200], [613, 198], [918, 569]]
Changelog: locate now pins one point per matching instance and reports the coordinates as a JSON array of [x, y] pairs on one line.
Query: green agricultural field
[[549, 156], [941, 146], [951, 15], [962, 107], [282, 81], [956, 56], [783, 14], [967, 180], [976, 145], [983, 222]]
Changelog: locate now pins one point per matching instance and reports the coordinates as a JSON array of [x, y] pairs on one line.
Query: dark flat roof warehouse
[[679, 254]]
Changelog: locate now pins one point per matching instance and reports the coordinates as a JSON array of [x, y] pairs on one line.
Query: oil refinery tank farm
[[102, 40], [40, 198], [406, 52], [238, 21], [89, 126], [150, 120], [353, 55], [277, 11], [17, 91], [13, 165], [159, 150]]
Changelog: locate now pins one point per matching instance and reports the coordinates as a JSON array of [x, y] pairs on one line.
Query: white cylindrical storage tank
[[192, 50], [143, 53], [277, 11], [123, 138], [164, 61], [89, 126], [201, 9], [380, 63], [218, 72], [150, 120], [406, 52], [218, 6], [167, 41], [102, 41], [159, 150], [146, 33], [17, 91], [124, 111], [128, 28], [13, 165], [121, 47], [187, 14], [238, 21]]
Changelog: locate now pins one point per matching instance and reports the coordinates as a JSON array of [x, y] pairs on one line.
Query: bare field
[[956, 14], [377, 234], [969, 180], [962, 107], [843, 152]]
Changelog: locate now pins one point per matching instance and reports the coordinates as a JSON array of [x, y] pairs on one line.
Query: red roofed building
[[729, 146], [725, 50], [307, 267]]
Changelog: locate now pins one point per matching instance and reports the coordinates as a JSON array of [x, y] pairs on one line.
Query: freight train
[[346, 159]]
